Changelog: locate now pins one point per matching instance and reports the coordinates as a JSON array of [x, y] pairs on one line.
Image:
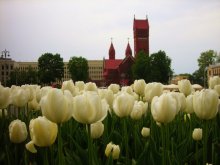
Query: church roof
[[111, 51], [112, 64], [140, 24], [128, 51], [127, 58]]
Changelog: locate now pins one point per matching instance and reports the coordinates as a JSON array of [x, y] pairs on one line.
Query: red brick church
[[119, 70]]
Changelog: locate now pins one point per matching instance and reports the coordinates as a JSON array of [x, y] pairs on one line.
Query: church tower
[[141, 36], [128, 51], [111, 52]]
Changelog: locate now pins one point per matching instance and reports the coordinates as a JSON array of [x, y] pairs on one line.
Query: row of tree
[[153, 68], [50, 70]]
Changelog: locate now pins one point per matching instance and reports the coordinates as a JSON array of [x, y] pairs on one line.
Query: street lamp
[[5, 53], [206, 68]]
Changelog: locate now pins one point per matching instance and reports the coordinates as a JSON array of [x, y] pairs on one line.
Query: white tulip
[[97, 130], [139, 87], [213, 81], [205, 103], [153, 89], [57, 105], [17, 131], [145, 132], [197, 134], [88, 108], [43, 133], [4, 97], [185, 87], [114, 87], [164, 108], [123, 104]]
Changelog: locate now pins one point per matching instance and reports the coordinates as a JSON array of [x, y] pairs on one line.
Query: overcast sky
[[181, 28]]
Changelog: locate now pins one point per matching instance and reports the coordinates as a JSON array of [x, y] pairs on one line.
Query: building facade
[[119, 71], [103, 72], [8, 65], [213, 70]]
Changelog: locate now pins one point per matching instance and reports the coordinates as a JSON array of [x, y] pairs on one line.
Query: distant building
[[213, 70], [177, 78], [103, 72], [6, 67], [119, 70]]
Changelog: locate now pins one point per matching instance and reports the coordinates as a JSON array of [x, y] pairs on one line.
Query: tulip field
[[145, 123]]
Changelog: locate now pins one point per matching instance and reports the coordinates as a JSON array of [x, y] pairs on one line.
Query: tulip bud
[[164, 108], [80, 85], [97, 130], [19, 97], [197, 134], [30, 91], [69, 85], [114, 87], [17, 131], [189, 104], [109, 96], [217, 89], [180, 100], [145, 132], [112, 149], [33, 105], [139, 109], [153, 89], [213, 81], [57, 106], [40, 93], [123, 104], [4, 97], [43, 133], [139, 87], [88, 108], [205, 104], [90, 86], [127, 89], [116, 152], [185, 87], [108, 149]]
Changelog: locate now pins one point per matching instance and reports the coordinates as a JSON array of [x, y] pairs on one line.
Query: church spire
[[128, 51], [111, 51]]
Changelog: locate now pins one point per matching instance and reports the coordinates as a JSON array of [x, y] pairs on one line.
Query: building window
[[2, 67]]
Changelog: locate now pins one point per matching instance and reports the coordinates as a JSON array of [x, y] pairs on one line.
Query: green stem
[[205, 139], [60, 155], [16, 154], [90, 150], [126, 140], [135, 140], [45, 156], [163, 134], [196, 155]]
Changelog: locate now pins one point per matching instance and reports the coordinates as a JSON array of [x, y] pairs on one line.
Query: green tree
[[50, 68], [141, 67], [18, 77], [78, 68], [160, 67], [205, 59]]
